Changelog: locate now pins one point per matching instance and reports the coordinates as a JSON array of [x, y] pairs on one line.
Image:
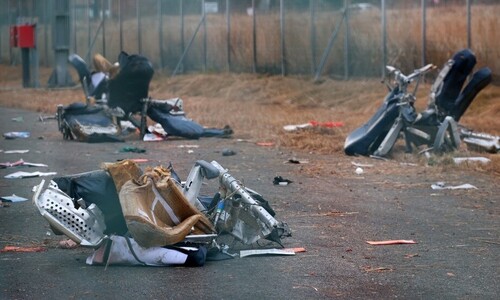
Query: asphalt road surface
[[331, 210]]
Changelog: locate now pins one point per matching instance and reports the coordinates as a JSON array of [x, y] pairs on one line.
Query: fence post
[[120, 23], [103, 10], [228, 35], [346, 40], [282, 37], [424, 31], [139, 29], [384, 37], [254, 38], [312, 9], [89, 31], [181, 12], [469, 20], [203, 12], [160, 32]]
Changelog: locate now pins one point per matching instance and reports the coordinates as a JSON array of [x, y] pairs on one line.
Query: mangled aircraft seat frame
[[125, 95], [436, 126]]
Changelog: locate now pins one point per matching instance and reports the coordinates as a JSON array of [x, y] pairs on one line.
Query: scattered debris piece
[[68, 244], [313, 124], [411, 255], [273, 251], [359, 170], [18, 119], [13, 198], [152, 137], [442, 186], [28, 174], [329, 124], [228, 152], [265, 144], [278, 180], [16, 151], [459, 160], [188, 146], [132, 149], [44, 118], [361, 165], [20, 162], [23, 249], [16, 135], [391, 242], [297, 161], [376, 269], [481, 141]]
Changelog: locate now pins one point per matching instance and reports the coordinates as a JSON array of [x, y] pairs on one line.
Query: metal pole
[[189, 46], [346, 39], [329, 47], [204, 36], [160, 31], [181, 10], [46, 34], [384, 37], [89, 31], [469, 19], [312, 9], [120, 23], [424, 31], [254, 38], [139, 29], [103, 29], [228, 35], [10, 24], [75, 43], [282, 37]]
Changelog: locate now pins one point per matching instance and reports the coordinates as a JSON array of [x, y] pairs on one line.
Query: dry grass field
[[258, 106]]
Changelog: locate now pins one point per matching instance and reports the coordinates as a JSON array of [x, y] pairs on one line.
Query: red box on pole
[[26, 36]]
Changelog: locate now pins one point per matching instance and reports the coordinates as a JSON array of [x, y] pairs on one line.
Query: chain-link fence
[[338, 38]]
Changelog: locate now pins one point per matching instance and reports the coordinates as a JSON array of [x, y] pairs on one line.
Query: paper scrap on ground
[[152, 137], [20, 162], [13, 198], [16, 151], [313, 124], [459, 160], [391, 242], [16, 135], [443, 186], [28, 174], [274, 251]]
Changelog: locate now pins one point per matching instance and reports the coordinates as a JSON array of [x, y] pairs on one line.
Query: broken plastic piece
[[13, 198], [443, 186], [16, 135], [274, 251], [28, 174], [459, 160]]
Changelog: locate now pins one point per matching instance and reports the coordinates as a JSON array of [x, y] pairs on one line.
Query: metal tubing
[[384, 37], [254, 38], [228, 35], [282, 37], [424, 31]]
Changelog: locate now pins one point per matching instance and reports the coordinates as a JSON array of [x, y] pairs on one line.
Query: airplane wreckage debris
[[150, 217]]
